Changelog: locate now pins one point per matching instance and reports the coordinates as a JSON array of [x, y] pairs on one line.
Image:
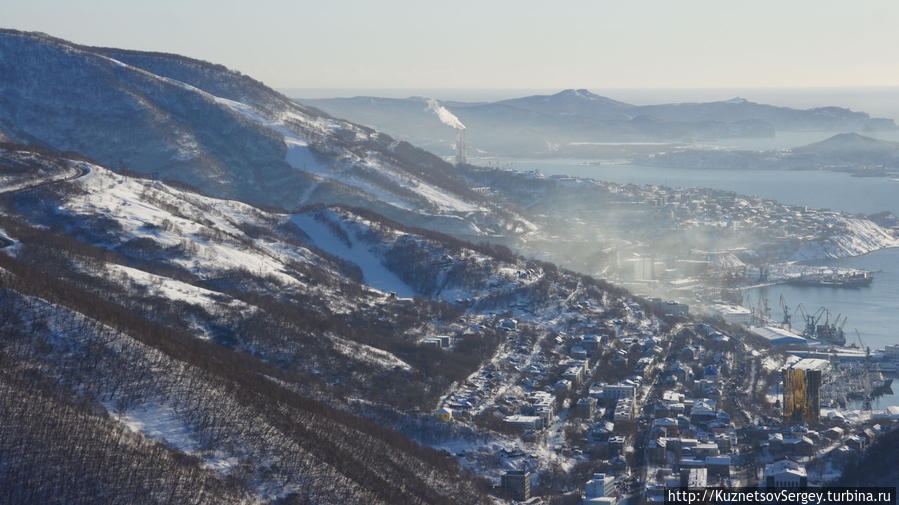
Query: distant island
[[578, 123], [845, 152]]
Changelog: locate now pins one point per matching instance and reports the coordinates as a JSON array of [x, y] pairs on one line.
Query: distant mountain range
[[845, 152], [566, 121]]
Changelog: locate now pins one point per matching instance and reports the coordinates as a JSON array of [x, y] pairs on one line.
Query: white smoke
[[446, 117]]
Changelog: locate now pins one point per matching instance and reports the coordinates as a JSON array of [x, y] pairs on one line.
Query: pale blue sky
[[500, 44]]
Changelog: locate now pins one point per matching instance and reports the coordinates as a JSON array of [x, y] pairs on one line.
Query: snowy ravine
[[374, 272]]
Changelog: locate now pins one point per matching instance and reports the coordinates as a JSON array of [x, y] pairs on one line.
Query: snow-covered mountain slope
[[208, 326], [277, 285], [847, 236], [195, 321], [332, 237], [230, 136], [28, 169], [334, 285], [153, 418], [47, 426]]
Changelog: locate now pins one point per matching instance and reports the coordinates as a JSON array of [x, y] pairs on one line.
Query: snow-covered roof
[[778, 336], [811, 364], [785, 466]]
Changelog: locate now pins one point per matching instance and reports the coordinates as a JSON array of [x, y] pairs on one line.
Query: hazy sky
[[499, 44]]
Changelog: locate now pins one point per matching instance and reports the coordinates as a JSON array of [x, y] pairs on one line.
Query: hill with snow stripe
[[230, 136]]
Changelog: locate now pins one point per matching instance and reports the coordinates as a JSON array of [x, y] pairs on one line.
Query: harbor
[[863, 287], [870, 309], [859, 376]]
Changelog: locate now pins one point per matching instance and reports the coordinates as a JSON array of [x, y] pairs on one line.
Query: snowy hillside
[[182, 320], [202, 314], [211, 294], [222, 132], [333, 278]]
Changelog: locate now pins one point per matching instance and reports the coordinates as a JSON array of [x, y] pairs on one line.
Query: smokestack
[[460, 146], [448, 118]]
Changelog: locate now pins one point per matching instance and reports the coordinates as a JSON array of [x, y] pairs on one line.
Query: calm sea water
[[819, 189], [873, 311]]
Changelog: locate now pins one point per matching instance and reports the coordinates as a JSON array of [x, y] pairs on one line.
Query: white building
[[785, 473], [621, 390], [600, 485], [733, 314], [525, 422], [624, 410]]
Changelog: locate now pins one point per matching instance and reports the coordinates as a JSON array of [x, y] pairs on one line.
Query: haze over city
[[467, 253]]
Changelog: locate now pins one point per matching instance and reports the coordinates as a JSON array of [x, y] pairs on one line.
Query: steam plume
[[446, 117]]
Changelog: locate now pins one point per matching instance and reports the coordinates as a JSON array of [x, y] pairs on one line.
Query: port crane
[[867, 380], [811, 320], [829, 331], [761, 312], [788, 318], [840, 324], [764, 310], [861, 344]]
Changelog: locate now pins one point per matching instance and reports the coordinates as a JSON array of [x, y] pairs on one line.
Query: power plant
[[448, 118]]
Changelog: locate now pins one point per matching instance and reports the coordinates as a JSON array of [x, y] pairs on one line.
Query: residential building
[[801, 384], [518, 482]]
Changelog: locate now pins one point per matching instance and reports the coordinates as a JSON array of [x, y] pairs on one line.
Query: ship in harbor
[[833, 280], [827, 331]]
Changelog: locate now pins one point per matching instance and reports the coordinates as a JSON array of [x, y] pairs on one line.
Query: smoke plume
[[446, 117]]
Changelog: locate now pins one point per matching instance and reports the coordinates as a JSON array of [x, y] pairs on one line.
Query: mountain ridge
[[269, 150], [563, 123], [845, 152]]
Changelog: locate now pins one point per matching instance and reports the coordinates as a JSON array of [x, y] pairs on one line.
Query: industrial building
[[733, 314], [778, 336], [801, 385]]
